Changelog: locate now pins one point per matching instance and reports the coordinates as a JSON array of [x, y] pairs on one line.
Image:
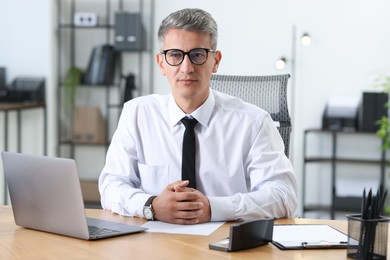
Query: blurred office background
[[349, 50]]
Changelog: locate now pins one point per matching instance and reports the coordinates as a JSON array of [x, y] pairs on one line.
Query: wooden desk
[[17, 242], [18, 107]]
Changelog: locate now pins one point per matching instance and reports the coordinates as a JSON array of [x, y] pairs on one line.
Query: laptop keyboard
[[96, 231]]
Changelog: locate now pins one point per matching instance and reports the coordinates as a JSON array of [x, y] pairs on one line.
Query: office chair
[[266, 92]]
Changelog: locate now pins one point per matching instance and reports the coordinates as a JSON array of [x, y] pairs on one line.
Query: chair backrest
[[266, 92]]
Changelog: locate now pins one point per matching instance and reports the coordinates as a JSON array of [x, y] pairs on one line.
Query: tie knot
[[189, 123]]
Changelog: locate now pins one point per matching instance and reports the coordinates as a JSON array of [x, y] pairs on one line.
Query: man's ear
[[160, 63], [217, 58]]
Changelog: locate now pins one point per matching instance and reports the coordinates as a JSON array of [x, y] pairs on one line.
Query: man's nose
[[186, 65]]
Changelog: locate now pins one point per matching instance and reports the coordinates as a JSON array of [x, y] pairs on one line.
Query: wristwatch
[[148, 210]]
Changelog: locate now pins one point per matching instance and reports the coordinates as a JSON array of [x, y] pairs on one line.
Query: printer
[[341, 113], [24, 89]]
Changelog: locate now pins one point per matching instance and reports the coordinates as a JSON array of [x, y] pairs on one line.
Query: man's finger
[[178, 185]]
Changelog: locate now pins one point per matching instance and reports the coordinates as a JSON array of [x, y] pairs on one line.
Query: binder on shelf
[[101, 66], [298, 237], [129, 32], [371, 109]]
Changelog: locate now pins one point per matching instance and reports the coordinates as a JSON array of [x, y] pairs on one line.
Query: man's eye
[[198, 54], [175, 54]]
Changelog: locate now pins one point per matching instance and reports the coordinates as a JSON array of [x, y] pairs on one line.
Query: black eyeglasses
[[175, 57]]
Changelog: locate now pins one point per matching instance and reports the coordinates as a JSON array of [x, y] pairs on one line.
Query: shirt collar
[[202, 114]]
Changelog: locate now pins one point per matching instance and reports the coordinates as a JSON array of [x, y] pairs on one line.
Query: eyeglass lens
[[175, 57]]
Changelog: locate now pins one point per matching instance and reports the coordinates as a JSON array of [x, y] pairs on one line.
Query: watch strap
[[148, 203]]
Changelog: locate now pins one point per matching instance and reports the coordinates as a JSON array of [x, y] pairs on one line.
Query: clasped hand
[[181, 205]]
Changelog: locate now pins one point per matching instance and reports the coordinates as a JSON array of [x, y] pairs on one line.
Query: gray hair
[[189, 19]]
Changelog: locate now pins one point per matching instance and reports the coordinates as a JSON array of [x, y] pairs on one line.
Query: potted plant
[[71, 82], [384, 123]]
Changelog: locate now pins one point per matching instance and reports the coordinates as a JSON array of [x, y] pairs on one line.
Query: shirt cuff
[[137, 202], [221, 209]]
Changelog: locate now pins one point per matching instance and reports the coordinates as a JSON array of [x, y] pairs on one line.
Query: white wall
[[26, 50], [27, 34], [349, 48]]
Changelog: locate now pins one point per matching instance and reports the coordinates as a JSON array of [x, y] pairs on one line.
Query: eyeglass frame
[[164, 52]]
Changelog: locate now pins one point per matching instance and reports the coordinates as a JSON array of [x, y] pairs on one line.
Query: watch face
[[148, 213]]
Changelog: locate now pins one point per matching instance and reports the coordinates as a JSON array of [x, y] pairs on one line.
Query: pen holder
[[367, 238]]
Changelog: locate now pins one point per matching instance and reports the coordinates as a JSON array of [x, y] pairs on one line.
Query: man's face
[[189, 81]]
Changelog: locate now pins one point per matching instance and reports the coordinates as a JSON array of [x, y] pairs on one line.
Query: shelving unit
[[338, 203], [75, 45]]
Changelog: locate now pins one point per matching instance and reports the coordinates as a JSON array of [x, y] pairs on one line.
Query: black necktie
[[188, 162]]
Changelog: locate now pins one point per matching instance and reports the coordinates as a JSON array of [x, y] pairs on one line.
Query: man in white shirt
[[241, 171]]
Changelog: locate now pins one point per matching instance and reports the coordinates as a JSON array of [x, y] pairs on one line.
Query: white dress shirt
[[240, 162]]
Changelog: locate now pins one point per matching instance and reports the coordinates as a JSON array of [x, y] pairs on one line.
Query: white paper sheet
[[203, 229]]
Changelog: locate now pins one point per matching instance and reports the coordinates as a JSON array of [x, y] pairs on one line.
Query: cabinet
[[356, 156], [86, 124]]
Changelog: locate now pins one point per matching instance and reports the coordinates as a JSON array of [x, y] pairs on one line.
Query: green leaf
[[71, 82]]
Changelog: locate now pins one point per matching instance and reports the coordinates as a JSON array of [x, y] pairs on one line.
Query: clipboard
[[307, 236]]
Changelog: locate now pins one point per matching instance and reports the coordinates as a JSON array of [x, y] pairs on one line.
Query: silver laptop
[[46, 195]]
